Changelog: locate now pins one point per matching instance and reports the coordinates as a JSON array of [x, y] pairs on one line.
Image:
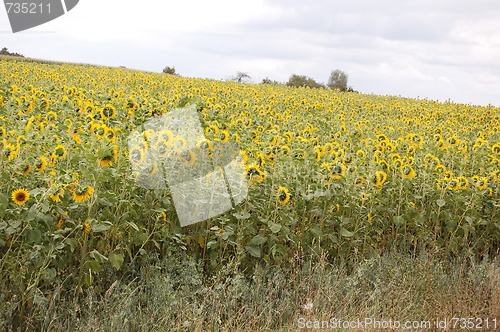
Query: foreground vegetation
[[366, 205]]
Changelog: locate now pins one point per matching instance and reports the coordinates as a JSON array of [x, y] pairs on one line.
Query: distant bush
[[169, 70], [301, 80]]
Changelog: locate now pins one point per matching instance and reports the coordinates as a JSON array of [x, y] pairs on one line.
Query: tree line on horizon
[[337, 80]]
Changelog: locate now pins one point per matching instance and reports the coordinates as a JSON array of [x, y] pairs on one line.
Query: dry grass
[[171, 294]]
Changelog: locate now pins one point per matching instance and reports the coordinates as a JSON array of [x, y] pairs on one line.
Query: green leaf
[[133, 225], [212, 245], [98, 256], [316, 232], [225, 235], [258, 240], [116, 260], [101, 226], [274, 227], [34, 192], [279, 250], [31, 213], [71, 242], [33, 236], [4, 202], [242, 215], [344, 232], [440, 202], [254, 251], [398, 220], [93, 265]]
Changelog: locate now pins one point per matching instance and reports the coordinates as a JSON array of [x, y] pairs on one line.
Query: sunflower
[[137, 155], [254, 173], [110, 134], [56, 196], [29, 124], [440, 168], [285, 150], [86, 227], [20, 196], [179, 144], [41, 165], [379, 178], [80, 196], [162, 147], [453, 184], [108, 112], [106, 160], [188, 158], [495, 175], [408, 172], [336, 171], [26, 169], [283, 195], [496, 149], [51, 116], [222, 136], [10, 152], [334, 208], [60, 151], [463, 182], [482, 183], [360, 154]]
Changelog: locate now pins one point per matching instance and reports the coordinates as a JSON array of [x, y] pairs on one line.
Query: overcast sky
[[436, 49]]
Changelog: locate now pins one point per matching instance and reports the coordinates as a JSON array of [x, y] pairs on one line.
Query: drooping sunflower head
[[41, 164], [20, 196], [253, 172], [408, 172], [83, 194], [107, 160]]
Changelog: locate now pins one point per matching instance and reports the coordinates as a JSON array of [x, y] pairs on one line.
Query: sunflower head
[[283, 195], [20, 196], [379, 178]]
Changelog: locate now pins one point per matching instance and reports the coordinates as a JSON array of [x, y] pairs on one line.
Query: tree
[[267, 80], [241, 77], [169, 70], [338, 80], [301, 80], [5, 51]]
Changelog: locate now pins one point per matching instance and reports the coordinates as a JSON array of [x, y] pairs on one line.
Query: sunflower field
[[349, 174]]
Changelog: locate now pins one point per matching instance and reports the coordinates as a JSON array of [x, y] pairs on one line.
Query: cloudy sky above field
[[439, 49]]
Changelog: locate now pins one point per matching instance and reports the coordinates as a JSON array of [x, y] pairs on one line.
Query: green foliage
[[338, 81], [5, 51], [267, 80], [303, 81], [169, 70]]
